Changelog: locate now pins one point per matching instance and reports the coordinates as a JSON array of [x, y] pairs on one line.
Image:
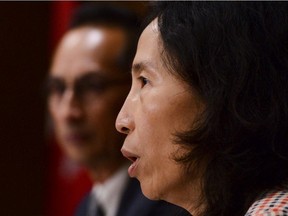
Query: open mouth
[[130, 156], [134, 159]]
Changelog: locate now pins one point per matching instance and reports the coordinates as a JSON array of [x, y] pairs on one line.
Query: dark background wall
[[24, 61]]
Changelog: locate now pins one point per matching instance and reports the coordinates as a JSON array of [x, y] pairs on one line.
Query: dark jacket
[[134, 203]]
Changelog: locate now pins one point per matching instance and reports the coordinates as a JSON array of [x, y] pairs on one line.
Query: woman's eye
[[143, 81]]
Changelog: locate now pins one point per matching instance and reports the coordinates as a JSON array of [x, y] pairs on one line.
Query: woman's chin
[[150, 193]]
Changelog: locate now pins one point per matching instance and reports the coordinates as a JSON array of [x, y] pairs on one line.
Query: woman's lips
[[134, 159], [132, 168]]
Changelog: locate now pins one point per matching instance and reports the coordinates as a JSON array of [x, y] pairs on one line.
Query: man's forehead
[[88, 36]]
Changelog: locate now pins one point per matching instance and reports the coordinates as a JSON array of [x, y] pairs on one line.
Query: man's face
[[86, 91]]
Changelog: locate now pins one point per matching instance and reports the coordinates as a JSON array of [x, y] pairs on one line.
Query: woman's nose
[[124, 122]]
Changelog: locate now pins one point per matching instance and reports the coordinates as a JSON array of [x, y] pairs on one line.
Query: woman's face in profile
[[158, 105]]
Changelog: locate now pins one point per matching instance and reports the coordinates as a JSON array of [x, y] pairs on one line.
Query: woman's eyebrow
[[140, 66]]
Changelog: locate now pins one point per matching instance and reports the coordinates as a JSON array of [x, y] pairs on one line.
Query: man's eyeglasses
[[88, 85]]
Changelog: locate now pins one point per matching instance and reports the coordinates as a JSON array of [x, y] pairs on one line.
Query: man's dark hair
[[235, 55], [105, 14]]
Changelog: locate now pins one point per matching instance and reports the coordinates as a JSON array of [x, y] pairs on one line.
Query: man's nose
[[71, 106]]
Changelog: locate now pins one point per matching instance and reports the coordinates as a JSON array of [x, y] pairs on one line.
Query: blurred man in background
[[87, 85]]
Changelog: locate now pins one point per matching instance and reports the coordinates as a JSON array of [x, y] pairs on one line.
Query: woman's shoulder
[[271, 203]]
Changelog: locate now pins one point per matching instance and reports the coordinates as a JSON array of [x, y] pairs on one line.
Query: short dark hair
[[95, 14], [235, 55]]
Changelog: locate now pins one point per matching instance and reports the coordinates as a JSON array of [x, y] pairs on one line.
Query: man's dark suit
[[133, 203]]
